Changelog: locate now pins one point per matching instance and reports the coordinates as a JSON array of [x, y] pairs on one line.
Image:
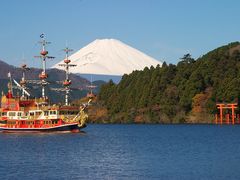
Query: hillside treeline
[[186, 92]]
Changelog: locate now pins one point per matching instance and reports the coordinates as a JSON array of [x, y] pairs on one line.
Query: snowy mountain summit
[[109, 57]]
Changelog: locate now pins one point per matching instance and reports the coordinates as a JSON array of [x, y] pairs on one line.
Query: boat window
[[62, 112], [29, 122], [38, 113], [52, 112], [31, 113], [70, 112], [4, 113], [12, 122], [19, 114], [11, 114], [45, 113]]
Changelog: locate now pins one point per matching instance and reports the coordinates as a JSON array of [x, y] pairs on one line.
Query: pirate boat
[[26, 114]]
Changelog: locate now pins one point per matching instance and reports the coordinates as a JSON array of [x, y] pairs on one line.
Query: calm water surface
[[124, 152]]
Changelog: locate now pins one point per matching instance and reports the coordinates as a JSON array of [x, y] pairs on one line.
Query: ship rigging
[[27, 114]]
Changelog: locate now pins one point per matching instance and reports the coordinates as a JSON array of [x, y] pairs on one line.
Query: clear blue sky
[[163, 29]]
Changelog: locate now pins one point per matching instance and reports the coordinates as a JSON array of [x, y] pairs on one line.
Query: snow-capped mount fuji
[[109, 57]]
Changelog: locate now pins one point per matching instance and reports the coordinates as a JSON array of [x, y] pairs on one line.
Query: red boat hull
[[74, 128]]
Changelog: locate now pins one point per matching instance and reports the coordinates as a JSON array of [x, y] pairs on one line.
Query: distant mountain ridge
[[79, 84], [109, 57], [33, 73], [106, 78]]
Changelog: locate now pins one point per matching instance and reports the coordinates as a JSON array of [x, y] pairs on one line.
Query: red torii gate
[[222, 106]]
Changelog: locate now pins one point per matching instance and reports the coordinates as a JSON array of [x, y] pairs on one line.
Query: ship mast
[[23, 81], [67, 82], [10, 86], [91, 87], [44, 56]]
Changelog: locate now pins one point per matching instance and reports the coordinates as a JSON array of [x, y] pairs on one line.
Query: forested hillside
[[186, 92]]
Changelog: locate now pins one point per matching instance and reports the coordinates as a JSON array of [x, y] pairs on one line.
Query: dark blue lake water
[[124, 152]]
